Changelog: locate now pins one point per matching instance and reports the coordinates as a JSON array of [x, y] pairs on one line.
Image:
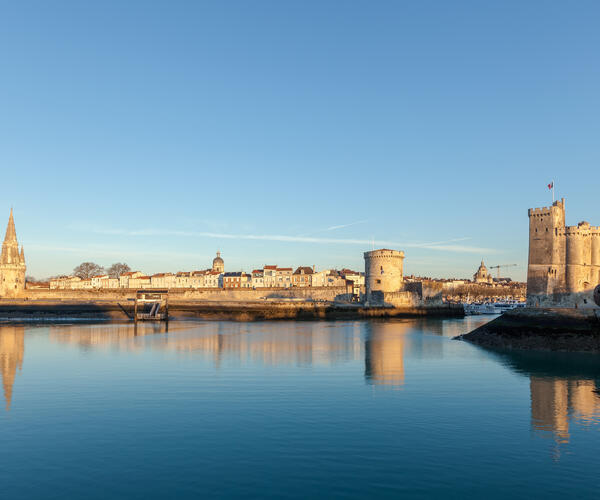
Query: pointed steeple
[[22, 255], [11, 233]]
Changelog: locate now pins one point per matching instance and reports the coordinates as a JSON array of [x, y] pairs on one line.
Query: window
[[378, 282]]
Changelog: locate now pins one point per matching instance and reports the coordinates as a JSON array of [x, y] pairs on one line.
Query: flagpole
[[552, 191]]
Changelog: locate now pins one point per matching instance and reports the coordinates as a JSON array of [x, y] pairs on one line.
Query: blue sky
[[294, 133]]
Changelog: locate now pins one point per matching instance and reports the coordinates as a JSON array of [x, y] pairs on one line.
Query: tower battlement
[[581, 229], [542, 211]]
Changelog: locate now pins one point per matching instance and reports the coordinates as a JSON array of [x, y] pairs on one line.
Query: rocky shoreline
[[559, 329], [45, 310]]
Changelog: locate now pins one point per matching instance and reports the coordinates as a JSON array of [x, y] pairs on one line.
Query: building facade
[[302, 276], [12, 263]]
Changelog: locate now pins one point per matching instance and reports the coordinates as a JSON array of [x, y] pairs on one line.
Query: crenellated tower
[[12, 263], [546, 273], [564, 261]]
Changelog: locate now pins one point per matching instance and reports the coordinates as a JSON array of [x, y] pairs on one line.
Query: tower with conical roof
[[12, 263]]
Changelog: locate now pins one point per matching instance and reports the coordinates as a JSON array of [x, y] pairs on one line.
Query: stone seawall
[[330, 293], [559, 329], [28, 310]]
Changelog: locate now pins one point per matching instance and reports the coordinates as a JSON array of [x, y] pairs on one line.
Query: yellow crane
[[502, 265]]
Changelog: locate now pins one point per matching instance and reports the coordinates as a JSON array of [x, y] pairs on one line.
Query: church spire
[[11, 233]]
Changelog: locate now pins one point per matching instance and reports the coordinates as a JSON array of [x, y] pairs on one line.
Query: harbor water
[[347, 409]]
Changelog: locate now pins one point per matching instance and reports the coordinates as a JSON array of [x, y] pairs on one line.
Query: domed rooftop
[[218, 264]]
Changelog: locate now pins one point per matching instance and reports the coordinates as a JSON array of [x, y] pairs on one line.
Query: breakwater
[[559, 329]]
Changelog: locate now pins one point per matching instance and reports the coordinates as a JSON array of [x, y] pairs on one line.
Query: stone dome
[[218, 264]]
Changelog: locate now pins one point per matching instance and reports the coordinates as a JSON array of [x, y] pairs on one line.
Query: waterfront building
[[12, 263], [98, 279], [125, 277], [302, 276], [284, 277], [355, 278], [213, 279], [327, 277], [197, 279], [237, 280], [64, 282], [269, 276], [258, 278], [140, 282], [162, 280]]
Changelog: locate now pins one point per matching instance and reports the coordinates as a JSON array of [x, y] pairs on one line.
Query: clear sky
[[294, 133]]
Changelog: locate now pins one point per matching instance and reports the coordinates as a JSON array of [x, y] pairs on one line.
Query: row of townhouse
[[270, 276]]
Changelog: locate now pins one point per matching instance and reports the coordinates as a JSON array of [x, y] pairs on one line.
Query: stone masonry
[[564, 261], [12, 263]]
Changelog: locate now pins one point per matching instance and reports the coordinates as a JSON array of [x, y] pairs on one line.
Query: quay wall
[[202, 294], [62, 310]]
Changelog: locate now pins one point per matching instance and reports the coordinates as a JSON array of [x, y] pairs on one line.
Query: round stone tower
[[595, 244], [218, 264], [383, 271], [579, 256]]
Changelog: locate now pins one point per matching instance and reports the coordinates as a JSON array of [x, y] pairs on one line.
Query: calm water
[[291, 410]]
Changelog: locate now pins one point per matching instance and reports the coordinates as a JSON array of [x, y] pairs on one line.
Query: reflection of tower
[[584, 400], [554, 401], [384, 347], [12, 348], [549, 406]]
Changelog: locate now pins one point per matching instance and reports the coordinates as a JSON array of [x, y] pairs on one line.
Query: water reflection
[[384, 353], [12, 349], [267, 343], [564, 389]]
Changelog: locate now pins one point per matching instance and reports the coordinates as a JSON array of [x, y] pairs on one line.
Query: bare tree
[[86, 270], [117, 269], [30, 279]]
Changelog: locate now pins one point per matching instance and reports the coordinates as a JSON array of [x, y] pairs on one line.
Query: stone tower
[[547, 250], [564, 261], [218, 264], [12, 263], [383, 271], [578, 273]]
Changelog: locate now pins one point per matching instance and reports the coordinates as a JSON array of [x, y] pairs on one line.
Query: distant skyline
[[294, 134]]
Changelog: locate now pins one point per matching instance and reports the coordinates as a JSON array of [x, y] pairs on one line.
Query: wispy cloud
[[445, 245], [340, 226], [102, 252]]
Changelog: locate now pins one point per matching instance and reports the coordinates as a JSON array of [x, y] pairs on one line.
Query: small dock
[[151, 305]]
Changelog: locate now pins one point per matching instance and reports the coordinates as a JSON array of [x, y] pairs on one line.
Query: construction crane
[[502, 265]]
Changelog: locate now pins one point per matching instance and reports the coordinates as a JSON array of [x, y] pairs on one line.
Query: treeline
[[86, 270]]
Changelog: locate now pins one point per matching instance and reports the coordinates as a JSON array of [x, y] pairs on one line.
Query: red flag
[[551, 185]]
